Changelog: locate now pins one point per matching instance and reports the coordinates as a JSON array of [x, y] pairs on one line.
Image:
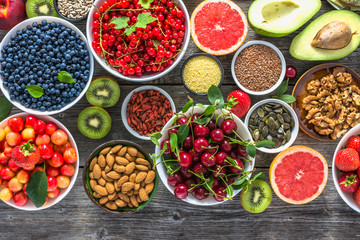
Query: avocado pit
[[334, 35]]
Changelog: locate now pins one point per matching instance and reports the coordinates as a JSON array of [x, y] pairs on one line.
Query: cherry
[[218, 171], [175, 179], [208, 160], [39, 127], [201, 193], [200, 131], [16, 124], [189, 183], [182, 120], [240, 164], [173, 130], [215, 184], [217, 135], [185, 159], [188, 142], [184, 171], [213, 148], [168, 147], [241, 151], [233, 154], [220, 194], [195, 155], [228, 126], [181, 191], [200, 145], [220, 157], [290, 72], [211, 125], [199, 168], [194, 117], [46, 151], [225, 146]]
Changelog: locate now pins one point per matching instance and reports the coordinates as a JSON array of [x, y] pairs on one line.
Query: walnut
[[343, 79], [338, 132]]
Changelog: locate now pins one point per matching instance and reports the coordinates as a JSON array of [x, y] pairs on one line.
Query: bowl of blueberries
[[46, 65]]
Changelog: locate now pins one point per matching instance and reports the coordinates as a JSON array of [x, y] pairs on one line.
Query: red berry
[[16, 124], [228, 126], [239, 168], [220, 194], [168, 147], [200, 145], [174, 179], [208, 160], [240, 101], [181, 191], [217, 135], [185, 159], [46, 151], [290, 72], [347, 160], [40, 127], [201, 193], [52, 183], [349, 182], [354, 142], [200, 131]]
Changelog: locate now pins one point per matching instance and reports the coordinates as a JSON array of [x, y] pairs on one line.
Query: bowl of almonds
[[119, 177]]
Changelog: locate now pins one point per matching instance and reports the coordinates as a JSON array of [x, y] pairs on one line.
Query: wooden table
[[167, 217]]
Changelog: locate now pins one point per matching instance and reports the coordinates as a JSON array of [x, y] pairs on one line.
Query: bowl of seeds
[[118, 177], [258, 67], [73, 10], [274, 120]]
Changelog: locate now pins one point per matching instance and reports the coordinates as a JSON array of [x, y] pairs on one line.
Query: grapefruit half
[[218, 27], [298, 174]]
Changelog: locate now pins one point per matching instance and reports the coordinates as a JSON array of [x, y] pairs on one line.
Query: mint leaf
[[37, 188], [287, 98], [5, 107], [215, 96], [120, 22], [145, 3], [251, 150], [182, 133], [35, 91], [143, 19], [130, 30], [282, 88], [65, 77]]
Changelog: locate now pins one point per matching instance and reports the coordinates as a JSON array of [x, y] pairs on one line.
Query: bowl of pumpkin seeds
[[274, 120]]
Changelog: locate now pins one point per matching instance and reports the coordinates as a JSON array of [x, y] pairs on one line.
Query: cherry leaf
[[5, 108], [120, 22]]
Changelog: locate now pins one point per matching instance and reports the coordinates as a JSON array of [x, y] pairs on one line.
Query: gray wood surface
[[166, 217]]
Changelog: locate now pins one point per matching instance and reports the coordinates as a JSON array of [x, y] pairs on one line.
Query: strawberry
[[354, 142], [238, 102], [356, 196], [347, 160], [349, 182], [25, 155]]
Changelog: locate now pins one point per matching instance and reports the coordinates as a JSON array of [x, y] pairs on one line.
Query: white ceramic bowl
[[29, 206], [294, 131], [145, 77], [126, 101], [336, 173], [283, 67], [241, 130], [49, 19]]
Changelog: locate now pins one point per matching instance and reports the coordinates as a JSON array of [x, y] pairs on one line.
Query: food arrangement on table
[[204, 154]]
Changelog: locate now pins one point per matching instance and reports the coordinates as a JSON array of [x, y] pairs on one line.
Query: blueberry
[[67, 56]]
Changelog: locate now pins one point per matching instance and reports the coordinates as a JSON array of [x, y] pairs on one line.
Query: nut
[[121, 160], [113, 196], [140, 177], [110, 159], [122, 152], [103, 175], [95, 194], [141, 167], [129, 157], [149, 187], [119, 168], [110, 188], [132, 177], [132, 151], [133, 201], [101, 182], [105, 151], [92, 163], [124, 197], [150, 177], [130, 193], [122, 180], [116, 149], [111, 205], [100, 190], [140, 155], [142, 161], [143, 195], [114, 175], [137, 186], [126, 187], [101, 161], [97, 171], [129, 168], [92, 184], [107, 168], [91, 175], [120, 203], [103, 200]]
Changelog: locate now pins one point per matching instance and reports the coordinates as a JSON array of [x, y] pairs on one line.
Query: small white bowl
[[241, 130], [126, 101], [336, 173], [145, 77], [29, 206], [283, 67], [49, 19], [294, 131]]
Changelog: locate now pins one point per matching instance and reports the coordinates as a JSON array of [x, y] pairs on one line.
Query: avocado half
[[302, 49], [274, 18]]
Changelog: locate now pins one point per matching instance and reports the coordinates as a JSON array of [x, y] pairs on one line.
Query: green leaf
[[187, 106], [155, 138], [200, 105], [287, 98], [182, 133], [128, 31], [5, 108], [35, 91], [65, 77], [260, 175], [173, 141], [145, 3], [202, 120], [282, 88], [209, 110], [229, 190], [240, 181], [120, 22], [233, 140], [208, 184], [265, 143], [156, 43], [215, 96], [251, 150], [175, 120], [242, 185], [143, 19], [172, 165], [37, 188]]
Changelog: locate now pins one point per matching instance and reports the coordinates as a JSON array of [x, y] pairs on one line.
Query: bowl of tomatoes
[[38, 161]]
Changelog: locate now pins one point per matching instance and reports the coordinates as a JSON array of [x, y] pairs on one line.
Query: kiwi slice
[[257, 197], [103, 92], [94, 122], [35, 8]]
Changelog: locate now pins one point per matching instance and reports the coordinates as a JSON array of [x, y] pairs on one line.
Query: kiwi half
[[35, 8], [257, 197], [94, 122], [103, 92]]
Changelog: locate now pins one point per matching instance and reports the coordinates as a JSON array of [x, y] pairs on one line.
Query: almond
[[100, 190], [107, 168], [101, 182], [133, 201], [103, 175], [122, 152], [130, 205], [91, 175], [119, 168], [126, 187], [92, 163], [142, 161], [96, 195], [121, 160], [136, 192], [116, 149], [140, 177], [103, 200], [129, 157], [132, 151], [113, 196], [97, 171], [110, 159], [149, 187], [137, 186], [110, 188], [130, 193], [141, 167], [150, 177], [120, 203], [129, 168], [101, 161], [142, 184], [143, 195], [111, 205], [124, 197], [105, 151], [138, 199], [114, 175], [132, 177], [140, 155], [92, 184], [122, 180]]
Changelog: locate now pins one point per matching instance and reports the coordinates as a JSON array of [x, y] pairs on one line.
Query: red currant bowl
[[29, 206], [161, 169], [147, 53]]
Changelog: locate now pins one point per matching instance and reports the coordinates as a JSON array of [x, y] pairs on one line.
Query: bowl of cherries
[[204, 154], [138, 40]]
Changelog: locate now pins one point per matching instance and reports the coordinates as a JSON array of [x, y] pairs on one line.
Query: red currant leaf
[[143, 19], [130, 30], [35, 91], [120, 22], [145, 3]]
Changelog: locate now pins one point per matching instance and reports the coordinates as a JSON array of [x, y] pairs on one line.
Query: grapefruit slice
[[218, 27], [298, 174]]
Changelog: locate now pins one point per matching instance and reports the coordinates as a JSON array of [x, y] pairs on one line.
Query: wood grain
[[166, 217]]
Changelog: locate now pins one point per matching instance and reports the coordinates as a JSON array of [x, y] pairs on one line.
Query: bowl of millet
[[46, 65]]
